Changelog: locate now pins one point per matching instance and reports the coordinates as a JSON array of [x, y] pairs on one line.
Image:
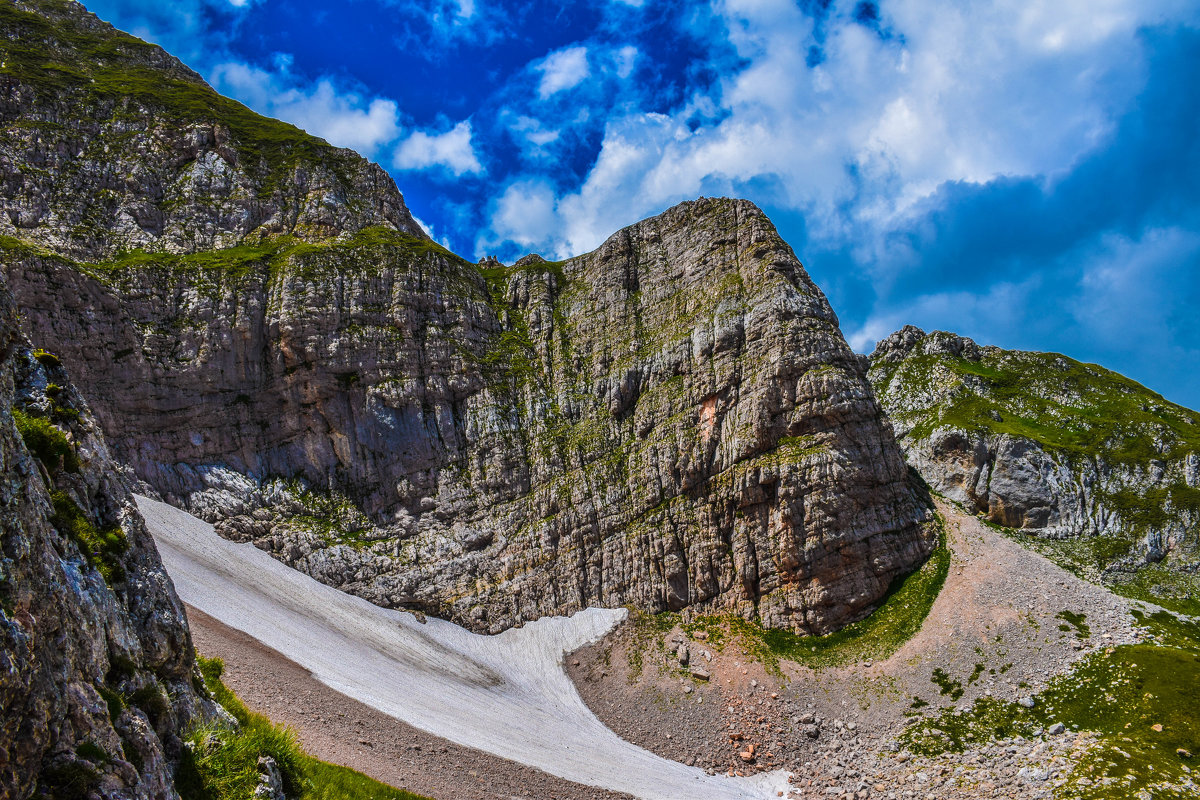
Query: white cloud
[[624, 59], [451, 150], [562, 70], [466, 9], [957, 92], [345, 119], [525, 214], [536, 136]]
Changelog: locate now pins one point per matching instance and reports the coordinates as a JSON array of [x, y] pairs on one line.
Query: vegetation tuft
[[102, 547], [46, 442], [1074, 621], [1138, 700], [221, 762]]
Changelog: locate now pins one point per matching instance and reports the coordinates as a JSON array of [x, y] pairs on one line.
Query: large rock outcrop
[[108, 143], [97, 685], [671, 421], [1065, 450]]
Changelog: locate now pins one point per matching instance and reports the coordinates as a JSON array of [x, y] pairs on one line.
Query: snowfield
[[507, 695]]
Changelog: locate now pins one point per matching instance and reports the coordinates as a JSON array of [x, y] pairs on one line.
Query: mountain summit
[[673, 420]]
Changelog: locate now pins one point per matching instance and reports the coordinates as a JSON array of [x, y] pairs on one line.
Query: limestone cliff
[[108, 143], [97, 687], [1041, 442], [673, 420]]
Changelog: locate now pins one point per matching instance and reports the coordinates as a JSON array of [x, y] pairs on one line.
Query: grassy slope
[[1139, 700], [1076, 409], [1079, 413], [92, 67], [222, 763], [370, 249]]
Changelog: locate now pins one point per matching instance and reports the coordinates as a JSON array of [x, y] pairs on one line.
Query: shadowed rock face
[[671, 421], [1042, 442], [97, 687]]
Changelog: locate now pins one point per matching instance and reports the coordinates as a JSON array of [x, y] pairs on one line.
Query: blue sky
[[1025, 173]]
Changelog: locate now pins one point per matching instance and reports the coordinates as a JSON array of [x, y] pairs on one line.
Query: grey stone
[[78, 625]]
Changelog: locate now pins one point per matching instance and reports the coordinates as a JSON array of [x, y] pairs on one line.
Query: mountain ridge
[[1067, 451], [81, 100]]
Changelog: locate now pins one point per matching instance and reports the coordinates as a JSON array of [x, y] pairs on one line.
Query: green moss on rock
[[46, 442], [102, 547]]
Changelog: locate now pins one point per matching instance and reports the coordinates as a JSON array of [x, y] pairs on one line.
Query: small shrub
[[69, 780], [114, 701], [46, 442], [92, 752], [151, 699], [46, 358], [101, 547]]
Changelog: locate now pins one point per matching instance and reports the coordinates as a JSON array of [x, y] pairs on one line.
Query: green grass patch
[[221, 763], [1139, 699], [948, 686], [102, 547], [369, 248], [1074, 621], [46, 442]]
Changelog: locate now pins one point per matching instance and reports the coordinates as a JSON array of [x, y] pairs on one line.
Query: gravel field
[[994, 630]]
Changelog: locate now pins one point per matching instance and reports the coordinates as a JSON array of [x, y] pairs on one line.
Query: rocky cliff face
[[98, 681], [108, 143], [671, 421], [1041, 442]]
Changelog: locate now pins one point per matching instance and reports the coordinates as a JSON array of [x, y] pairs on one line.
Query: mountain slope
[[98, 690], [1068, 451], [672, 420], [669, 421], [109, 143]]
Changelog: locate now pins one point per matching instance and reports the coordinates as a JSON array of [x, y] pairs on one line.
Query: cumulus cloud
[[562, 70], [957, 93], [344, 118], [451, 150]]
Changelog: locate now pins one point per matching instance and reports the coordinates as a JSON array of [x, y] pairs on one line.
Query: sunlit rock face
[[672, 421], [1061, 449]]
